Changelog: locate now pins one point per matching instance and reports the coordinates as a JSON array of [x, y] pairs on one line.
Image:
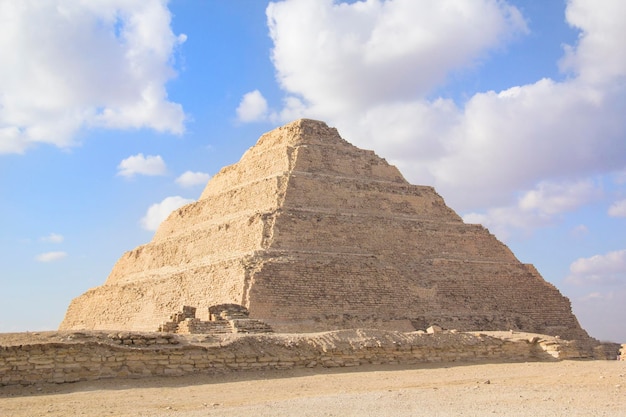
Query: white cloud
[[50, 256], [553, 198], [73, 65], [52, 238], [579, 230], [144, 165], [511, 140], [594, 296], [618, 209], [599, 269], [159, 211], [345, 56], [535, 208], [600, 55], [505, 221], [600, 311], [369, 69], [191, 179], [253, 107]]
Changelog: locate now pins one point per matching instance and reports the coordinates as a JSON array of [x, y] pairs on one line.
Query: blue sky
[[114, 112]]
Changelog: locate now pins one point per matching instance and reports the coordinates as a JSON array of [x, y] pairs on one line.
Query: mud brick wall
[[146, 355]]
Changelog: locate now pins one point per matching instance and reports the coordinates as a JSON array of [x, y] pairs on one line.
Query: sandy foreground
[[568, 388]]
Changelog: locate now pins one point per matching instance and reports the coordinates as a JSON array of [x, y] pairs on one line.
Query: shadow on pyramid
[[310, 233]]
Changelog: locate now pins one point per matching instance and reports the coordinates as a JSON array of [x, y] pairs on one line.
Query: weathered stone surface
[[434, 329], [311, 233], [59, 357]]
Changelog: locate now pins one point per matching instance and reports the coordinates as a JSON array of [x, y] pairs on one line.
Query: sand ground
[[568, 388]]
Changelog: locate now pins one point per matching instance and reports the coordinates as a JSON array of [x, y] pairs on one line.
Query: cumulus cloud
[[253, 107], [144, 165], [599, 57], [52, 238], [618, 209], [73, 65], [551, 198], [50, 256], [159, 211], [343, 56], [191, 179], [370, 69], [609, 268], [536, 208]]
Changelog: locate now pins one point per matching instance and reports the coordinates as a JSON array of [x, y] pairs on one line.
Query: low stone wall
[[69, 357]]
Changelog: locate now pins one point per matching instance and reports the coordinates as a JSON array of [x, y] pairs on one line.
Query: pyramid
[[311, 233]]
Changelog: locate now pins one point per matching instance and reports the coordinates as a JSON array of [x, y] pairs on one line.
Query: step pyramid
[[311, 233]]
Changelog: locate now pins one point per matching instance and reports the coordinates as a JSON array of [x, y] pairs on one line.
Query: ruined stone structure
[[310, 233], [223, 319]]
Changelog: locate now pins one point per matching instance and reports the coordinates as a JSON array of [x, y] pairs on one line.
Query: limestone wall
[[260, 196], [208, 245], [312, 233], [393, 237], [267, 163], [80, 357], [342, 160], [143, 304], [316, 291], [363, 196]]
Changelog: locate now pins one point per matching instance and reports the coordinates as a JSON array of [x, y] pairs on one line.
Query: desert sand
[[567, 388]]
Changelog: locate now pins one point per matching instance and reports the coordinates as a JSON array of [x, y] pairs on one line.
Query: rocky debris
[[224, 318], [434, 329]]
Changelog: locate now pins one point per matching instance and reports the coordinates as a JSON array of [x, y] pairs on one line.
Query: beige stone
[[434, 329], [311, 233]]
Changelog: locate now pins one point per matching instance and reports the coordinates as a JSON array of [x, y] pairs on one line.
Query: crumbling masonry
[[224, 318]]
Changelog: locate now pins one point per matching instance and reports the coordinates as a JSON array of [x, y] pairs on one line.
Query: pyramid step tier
[[310, 233]]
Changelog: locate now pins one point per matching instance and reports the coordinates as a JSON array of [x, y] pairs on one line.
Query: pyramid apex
[[308, 122], [302, 131]]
